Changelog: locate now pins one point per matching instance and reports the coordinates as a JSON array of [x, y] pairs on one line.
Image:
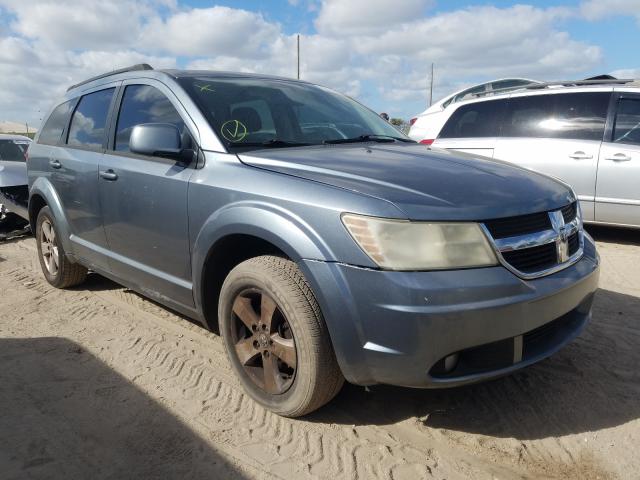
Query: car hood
[[426, 184], [12, 173]]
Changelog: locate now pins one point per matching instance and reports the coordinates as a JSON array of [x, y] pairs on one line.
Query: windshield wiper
[[368, 138], [273, 143]]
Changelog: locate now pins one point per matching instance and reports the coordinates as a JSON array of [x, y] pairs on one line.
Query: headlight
[[405, 245]]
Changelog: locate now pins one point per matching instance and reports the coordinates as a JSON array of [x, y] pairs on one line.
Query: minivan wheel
[[56, 267], [276, 338]]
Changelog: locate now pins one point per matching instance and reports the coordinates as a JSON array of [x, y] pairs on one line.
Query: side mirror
[[156, 139]]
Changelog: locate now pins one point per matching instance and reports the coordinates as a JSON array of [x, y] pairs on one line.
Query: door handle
[[619, 157], [55, 164], [580, 155], [109, 175]]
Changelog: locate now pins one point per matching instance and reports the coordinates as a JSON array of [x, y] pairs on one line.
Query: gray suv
[[318, 240]]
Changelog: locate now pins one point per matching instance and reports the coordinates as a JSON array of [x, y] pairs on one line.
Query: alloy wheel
[[49, 248], [263, 341]]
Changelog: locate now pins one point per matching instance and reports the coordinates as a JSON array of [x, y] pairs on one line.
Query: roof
[[148, 70], [5, 136]]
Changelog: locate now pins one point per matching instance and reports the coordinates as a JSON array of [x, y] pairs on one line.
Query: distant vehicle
[[425, 125], [585, 132], [322, 243], [14, 193]]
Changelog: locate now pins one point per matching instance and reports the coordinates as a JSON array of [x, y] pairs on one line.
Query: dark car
[[321, 242]]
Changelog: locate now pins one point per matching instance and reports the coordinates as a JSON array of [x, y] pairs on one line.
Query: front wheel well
[[223, 256]]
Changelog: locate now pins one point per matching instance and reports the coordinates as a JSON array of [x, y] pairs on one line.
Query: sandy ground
[[98, 383]]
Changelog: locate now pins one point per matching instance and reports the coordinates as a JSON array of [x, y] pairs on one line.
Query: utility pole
[[298, 43], [431, 87]]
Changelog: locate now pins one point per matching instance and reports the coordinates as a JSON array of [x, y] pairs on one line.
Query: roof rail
[[132, 68], [564, 83]]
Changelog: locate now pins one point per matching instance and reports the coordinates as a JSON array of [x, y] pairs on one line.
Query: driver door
[[144, 198]]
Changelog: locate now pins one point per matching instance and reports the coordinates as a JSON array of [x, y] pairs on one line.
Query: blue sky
[[378, 51]]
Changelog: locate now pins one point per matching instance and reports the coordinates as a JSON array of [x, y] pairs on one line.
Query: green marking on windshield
[[205, 88]]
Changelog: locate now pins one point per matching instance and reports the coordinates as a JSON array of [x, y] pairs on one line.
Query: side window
[[145, 104], [54, 126], [578, 116], [528, 116], [480, 119], [627, 125], [89, 120], [582, 116]]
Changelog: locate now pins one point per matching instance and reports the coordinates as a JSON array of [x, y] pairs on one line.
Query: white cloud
[[342, 18], [627, 73], [598, 9], [363, 48]]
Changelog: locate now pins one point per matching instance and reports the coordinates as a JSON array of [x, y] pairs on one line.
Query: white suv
[[586, 133]]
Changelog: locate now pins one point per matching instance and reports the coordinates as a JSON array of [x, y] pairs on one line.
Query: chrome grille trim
[[559, 235]]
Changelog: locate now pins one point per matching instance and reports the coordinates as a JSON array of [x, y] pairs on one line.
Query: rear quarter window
[[480, 119]]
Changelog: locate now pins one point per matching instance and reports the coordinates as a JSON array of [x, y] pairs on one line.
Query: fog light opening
[[450, 362]]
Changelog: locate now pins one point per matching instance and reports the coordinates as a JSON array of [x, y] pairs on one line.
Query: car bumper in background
[[399, 327]]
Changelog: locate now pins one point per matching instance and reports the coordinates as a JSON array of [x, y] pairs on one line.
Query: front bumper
[[397, 327]]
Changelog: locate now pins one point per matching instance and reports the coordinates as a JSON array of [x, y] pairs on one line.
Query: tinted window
[[89, 120], [627, 125], [579, 116], [474, 120], [144, 104], [13, 151], [54, 126]]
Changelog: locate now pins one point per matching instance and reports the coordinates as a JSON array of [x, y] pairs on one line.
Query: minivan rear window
[[579, 116], [480, 119], [89, 120]]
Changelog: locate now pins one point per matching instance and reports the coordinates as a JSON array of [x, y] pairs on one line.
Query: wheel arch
[[42, 194], [241, 232]]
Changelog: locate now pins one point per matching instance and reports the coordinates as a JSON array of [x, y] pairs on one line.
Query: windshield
[[249, 113], [13, 150]]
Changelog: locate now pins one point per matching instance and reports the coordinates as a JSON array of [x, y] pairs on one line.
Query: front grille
[[534, 259], [569, 212], [574, 243], [536, 228], [521, 225]]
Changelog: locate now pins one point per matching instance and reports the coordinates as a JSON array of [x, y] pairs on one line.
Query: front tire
[[56, 267], [276, 338]]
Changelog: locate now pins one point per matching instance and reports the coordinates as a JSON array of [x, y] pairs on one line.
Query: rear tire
[[276, 338], [56, 267]]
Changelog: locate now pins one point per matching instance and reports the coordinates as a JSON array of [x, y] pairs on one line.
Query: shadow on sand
[[66, 414]]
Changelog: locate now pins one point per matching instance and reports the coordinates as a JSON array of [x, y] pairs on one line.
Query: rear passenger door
[[618, 185], [558, 134], [144, 198], [73, 170], [473, 128]]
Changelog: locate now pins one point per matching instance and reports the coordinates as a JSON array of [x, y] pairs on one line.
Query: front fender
[[278, 226], [42, 187]]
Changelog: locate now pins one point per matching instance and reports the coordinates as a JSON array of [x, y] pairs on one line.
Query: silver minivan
[[585, 135]]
